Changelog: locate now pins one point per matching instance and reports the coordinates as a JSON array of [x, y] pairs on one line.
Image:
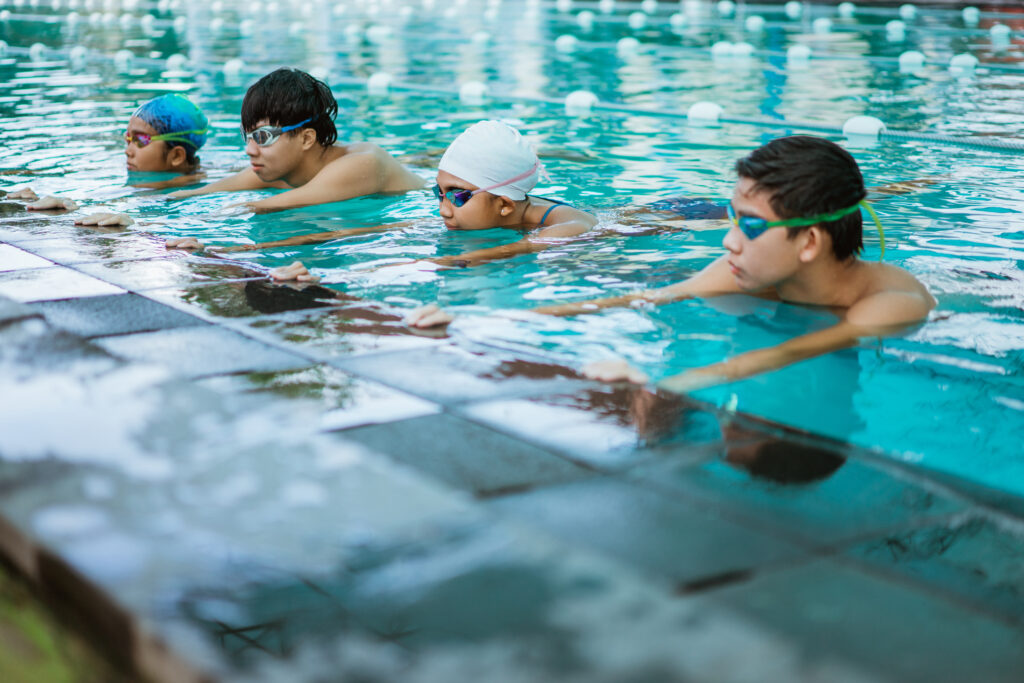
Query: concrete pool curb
[[879, 570]]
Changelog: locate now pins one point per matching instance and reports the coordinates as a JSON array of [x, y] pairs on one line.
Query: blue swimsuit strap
[[555, 205]]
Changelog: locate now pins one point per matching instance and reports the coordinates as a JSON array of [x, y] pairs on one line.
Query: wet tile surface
[[802, 490], [688, 544], [608, 426], [245, 299], [13, 258], [884, 629], [112, 314], [452, 375], [342, 401], [89, 247], [467, 456], [46, 284], [174, 269], [194, 351], [972, 558]]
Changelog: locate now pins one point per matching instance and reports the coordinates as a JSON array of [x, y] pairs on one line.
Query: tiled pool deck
[[215, 478]]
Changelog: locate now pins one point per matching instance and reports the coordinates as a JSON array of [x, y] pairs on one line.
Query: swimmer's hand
[[183, 194], [52, 203], [614, 370], [104, 219], [692, 380], [24, 193], [183, 243], [430, 315], [295, 271]]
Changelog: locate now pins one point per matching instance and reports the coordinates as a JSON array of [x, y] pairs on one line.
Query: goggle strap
[[878, 224], [519, 177]]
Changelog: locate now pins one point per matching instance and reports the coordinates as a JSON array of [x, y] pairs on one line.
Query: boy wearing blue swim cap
[[291, 141]]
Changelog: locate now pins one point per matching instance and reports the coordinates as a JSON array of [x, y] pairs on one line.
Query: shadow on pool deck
[[234, 480]]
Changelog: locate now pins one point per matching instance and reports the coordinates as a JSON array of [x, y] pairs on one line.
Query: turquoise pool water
[[948, 395]]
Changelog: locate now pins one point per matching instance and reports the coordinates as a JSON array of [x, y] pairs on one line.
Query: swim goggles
[[458, 198], [754, 226], [143, 139], [265, 136]]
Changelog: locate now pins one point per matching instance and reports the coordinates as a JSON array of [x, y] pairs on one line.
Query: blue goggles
[[458, 198], [754, 226], [265, 136]]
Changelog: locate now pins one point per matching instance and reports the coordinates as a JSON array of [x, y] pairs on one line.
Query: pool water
[[948, 395]]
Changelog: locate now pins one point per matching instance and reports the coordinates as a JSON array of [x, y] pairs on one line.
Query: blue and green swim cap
[[176, 115]]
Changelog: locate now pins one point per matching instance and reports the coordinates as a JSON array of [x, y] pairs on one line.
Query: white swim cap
[[493, 156]]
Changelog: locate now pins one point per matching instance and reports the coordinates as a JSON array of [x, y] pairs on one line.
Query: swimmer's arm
[[538, 241], [904, 187], [878, 315], [354, 175], [312, 238], [180, 181], [244, 180], [714, 280]]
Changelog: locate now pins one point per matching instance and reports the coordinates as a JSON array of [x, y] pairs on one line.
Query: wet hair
[[174, 113], [786, 462], [807, 176], [286, 97]]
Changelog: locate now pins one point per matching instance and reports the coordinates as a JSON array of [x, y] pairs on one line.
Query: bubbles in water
[[895, 30], [793, 9], [704, 113], [473, 92], [754, 23], [123, 60], [566, 43], [37, 52], [580, 102], [627, 45], [378, 83]]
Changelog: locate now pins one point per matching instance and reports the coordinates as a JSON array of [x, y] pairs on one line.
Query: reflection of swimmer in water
[[164, 135]]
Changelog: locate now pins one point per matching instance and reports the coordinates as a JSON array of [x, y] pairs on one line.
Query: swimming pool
[[948, 395]]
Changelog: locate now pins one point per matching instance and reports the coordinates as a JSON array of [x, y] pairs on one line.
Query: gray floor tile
[[608, 426], [194, 351], [887, 630], [465, 455], [47, 284], [645, 530], [113, 314], [978, 560], [13, 258], [451, 375]]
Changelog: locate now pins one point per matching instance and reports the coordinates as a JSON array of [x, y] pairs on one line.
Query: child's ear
[[308, 138], [177, 157], [814, 240], [505, 206]]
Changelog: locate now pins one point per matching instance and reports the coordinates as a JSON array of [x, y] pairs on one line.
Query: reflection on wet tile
[[970, 556], [13, 258], [886, 630], [20, 225], [206, 350], [348, 329], [247, 299], [606, 425], [450, 374], [668, 537], [86, 248], [113, 314], [175, 270], [467, 456], [808, 491], [47, 284], [13, 310], [345, 401]]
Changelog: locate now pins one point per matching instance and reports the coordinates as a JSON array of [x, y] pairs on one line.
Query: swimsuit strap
[[555, 204]]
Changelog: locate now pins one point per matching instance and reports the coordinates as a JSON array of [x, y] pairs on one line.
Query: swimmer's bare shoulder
[[889, 295], [373, 160]]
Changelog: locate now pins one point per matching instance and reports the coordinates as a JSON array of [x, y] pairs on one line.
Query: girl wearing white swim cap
[[484, 180]]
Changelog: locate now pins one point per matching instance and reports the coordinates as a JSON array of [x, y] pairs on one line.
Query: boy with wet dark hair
[[290, 138], [813, 189]]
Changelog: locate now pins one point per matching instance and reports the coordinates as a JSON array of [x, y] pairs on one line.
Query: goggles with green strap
[[754, 226]]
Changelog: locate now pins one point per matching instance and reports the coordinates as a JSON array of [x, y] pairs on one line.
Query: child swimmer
[[164, 135]]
